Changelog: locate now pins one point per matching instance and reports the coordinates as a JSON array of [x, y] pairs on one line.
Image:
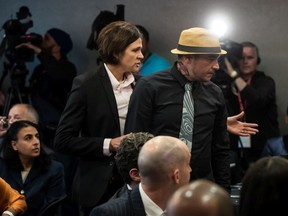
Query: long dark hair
[[12, 157]]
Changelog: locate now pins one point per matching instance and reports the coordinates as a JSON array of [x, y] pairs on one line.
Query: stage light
[[219, 25]]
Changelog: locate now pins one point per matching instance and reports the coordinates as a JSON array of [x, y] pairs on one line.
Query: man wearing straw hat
[[157, 101]]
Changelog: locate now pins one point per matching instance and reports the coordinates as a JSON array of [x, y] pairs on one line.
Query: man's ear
[[134, 174], [186, 58], [176, 176]]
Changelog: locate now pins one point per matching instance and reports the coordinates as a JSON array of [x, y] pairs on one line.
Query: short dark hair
[[12, 157], [114, 39], [127, 154], [62, 38]]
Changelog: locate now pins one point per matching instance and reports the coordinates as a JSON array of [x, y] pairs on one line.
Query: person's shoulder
[[262, 74], [112, 207], [262, 78], [120, 192], [85, 76], [275, 140], [56, 168], [82, 79], [275, 146], [56, 165]]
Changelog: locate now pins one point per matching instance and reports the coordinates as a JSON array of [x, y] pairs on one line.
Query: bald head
[[23, 112], [160, 157], [200, 198]]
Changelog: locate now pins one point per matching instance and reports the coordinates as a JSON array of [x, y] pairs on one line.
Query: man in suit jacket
[[91, 126], [126, 159], [164, 166]]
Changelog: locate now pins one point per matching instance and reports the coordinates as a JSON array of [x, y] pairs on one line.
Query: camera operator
[[14, 63], [255, 94], [51, 81], [50, 84]]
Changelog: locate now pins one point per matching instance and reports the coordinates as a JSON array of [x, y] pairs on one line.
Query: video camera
[[234, 53], [104, 18], [15, 34], [24, 53], [221, 78]]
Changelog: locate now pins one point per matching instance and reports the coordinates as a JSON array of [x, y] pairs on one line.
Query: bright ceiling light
[[219, 25]]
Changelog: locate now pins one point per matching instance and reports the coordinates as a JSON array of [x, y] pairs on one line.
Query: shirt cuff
[[106, 145], [8, 213]]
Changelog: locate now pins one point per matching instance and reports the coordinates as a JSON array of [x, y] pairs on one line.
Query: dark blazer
[[40, 188], [120, 192], [129, 204], [89, 117]]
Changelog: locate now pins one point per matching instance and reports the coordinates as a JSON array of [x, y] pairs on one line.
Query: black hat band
[[199, 49]]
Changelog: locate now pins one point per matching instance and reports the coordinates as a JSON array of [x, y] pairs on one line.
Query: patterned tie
[[186, 131]]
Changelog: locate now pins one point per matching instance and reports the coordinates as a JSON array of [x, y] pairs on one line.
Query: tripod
[[11, 91], [17, 74]]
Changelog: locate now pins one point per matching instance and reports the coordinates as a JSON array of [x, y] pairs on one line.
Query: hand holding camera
[[4, 125], [30, 46], [230, 70]]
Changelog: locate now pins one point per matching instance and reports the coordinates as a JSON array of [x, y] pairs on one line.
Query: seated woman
[[29, 169], [11, 202]]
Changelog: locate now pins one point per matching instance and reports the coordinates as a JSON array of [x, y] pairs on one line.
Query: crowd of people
[[115, 141]]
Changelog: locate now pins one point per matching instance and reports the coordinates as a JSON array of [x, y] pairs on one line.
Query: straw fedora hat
[[198, 41]]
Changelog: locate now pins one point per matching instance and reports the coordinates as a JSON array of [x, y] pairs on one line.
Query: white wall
[[260, 21]]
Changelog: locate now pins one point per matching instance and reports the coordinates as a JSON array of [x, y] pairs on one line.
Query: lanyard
[[241, 103]]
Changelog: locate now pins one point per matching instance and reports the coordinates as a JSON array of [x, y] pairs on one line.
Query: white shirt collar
[[151, 208], [115, 83]]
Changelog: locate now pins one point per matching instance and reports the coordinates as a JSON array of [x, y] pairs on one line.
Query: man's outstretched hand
[[237, 127]]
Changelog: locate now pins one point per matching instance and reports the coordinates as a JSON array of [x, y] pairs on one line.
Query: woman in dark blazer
[[28, 169], [91, 126]]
